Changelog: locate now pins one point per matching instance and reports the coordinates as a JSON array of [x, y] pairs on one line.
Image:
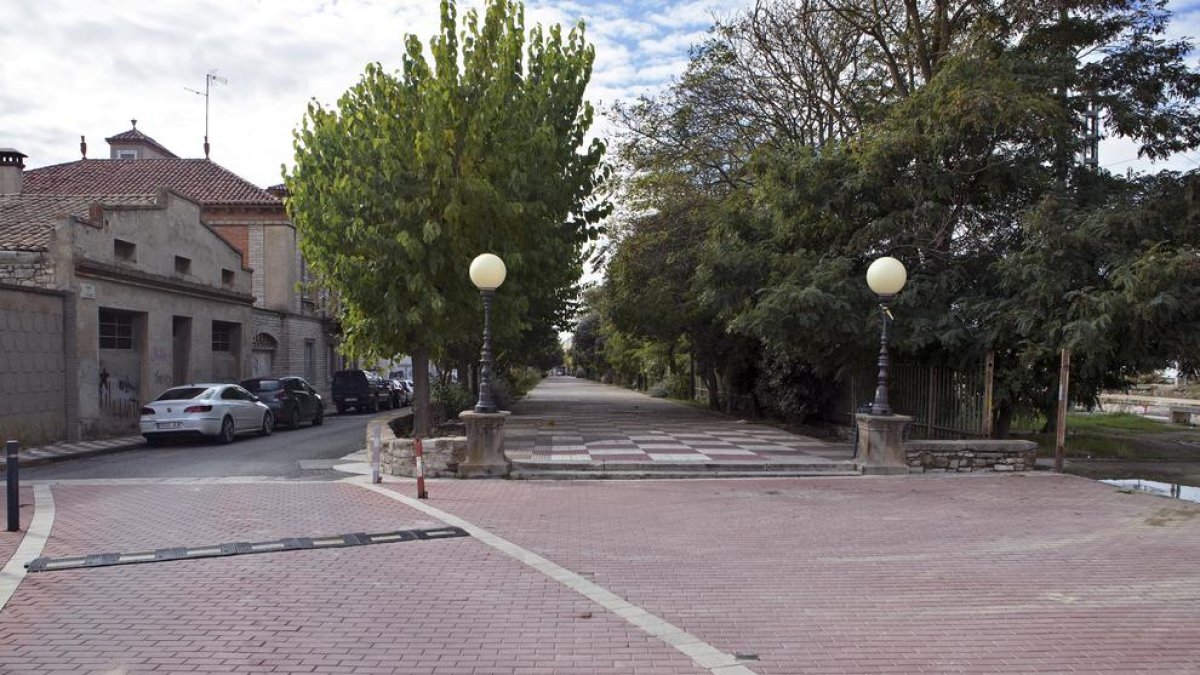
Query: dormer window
[[127, 154]]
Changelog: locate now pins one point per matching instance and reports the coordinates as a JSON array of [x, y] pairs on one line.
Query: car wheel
[[341, 409], [227, 431], [294, 417], [268, 424], [320, 418]]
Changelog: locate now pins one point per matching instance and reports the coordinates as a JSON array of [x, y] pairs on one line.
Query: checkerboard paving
[[568, 421]]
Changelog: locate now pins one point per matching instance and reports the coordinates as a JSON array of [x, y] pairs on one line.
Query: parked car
[[401, 393], [361, 390], [218, 410], [291, 399]]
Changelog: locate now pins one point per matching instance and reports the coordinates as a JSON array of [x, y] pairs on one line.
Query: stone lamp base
[[485, 445], [880, 448]]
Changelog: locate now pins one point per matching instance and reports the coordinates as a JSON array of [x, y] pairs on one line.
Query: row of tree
[[809, 137]]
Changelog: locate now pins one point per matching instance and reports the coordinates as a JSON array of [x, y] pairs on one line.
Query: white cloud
[[73, 68]]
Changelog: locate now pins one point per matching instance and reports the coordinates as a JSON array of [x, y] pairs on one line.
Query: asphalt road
[[306, 453]]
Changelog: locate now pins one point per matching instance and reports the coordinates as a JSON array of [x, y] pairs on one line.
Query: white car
[[220, 410]]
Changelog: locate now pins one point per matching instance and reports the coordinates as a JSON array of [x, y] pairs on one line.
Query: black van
[[361, 390]]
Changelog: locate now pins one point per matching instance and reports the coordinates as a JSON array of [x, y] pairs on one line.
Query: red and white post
[[419, 456]]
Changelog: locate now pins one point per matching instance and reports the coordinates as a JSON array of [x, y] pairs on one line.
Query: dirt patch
[[1172, 516], [402, 427]]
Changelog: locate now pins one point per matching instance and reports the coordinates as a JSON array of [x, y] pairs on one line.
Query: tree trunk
[[1004, 415], [421, 408], [710, 381]]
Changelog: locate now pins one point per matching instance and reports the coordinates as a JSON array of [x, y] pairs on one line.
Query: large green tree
[[476, 145], [944, 133]]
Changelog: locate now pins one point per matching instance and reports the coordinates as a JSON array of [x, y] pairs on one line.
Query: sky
[[74, 68]]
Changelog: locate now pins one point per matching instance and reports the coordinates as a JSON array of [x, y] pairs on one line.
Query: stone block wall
[[442, 455], [970, 455], [33, 270]]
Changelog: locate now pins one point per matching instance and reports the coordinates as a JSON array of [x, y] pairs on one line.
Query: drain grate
[[242, 548]]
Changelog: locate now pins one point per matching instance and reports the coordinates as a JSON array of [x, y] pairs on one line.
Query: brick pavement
[[573, 421], [446, 607], [980, 574], [951, 574]]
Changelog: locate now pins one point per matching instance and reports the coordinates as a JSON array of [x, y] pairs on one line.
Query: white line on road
[[31, 544]]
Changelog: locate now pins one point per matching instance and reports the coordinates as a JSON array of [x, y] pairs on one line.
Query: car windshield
[[182, 393], [263, 385]]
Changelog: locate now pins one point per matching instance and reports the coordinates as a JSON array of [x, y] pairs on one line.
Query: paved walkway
[[59, 451], [569, 422], [949, 574]]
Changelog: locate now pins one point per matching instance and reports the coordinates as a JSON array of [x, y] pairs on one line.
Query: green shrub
[[674, 385], [448, 399], [524, 380]]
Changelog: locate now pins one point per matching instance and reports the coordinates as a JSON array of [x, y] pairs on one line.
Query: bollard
[[376, 445], [11, 477], [419, 455]]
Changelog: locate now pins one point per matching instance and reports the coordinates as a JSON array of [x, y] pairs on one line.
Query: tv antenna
[[208, 80]]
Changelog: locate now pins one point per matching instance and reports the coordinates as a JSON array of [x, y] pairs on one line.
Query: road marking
[[31, 544], [702, 654]]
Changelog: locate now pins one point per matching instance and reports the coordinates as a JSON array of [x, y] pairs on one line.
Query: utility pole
[[208, 80]]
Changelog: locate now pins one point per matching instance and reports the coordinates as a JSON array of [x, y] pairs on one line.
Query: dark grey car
[[292, 399]]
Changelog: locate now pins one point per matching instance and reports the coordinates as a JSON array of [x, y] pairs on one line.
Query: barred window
[[116, 329], [222, 337]]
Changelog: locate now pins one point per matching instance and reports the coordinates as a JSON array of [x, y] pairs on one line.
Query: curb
[[49, 454]]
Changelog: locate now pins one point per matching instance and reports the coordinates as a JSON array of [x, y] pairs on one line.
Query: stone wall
[[442, 455], [33, 368], [27, 268], [970, 455]]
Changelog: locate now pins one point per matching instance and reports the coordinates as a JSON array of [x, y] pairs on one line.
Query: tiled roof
[[27, 221], [135, 136], [202, 180]]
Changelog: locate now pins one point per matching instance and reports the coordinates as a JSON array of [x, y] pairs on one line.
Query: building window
[[124, 250], [222, 337], [227, 277], [116, 329], [127, 154], [183, 265]]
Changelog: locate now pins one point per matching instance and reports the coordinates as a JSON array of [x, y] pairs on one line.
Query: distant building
[[293, 329], [105, 300], [122, 276]]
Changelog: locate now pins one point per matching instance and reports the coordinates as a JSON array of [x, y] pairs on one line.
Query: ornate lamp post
[[886, 277], [487, 273]]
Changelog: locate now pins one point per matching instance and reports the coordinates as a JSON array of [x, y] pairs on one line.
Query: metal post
[[486, 404], [14, 488], [376, 451], [881, 406], [1060, 443], [989, 381]]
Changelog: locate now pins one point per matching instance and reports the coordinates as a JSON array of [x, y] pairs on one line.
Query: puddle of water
[[1184, 492]]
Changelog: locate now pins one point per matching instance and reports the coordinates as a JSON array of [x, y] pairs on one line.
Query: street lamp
[[487, 273], [885, 276]]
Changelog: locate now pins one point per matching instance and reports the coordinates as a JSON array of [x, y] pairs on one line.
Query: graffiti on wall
[[118, 394]]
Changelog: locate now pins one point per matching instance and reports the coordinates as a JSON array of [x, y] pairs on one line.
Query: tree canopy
[[808, 138], [476, 145]]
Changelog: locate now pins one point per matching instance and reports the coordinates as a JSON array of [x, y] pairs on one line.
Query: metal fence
[[943, 402]]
